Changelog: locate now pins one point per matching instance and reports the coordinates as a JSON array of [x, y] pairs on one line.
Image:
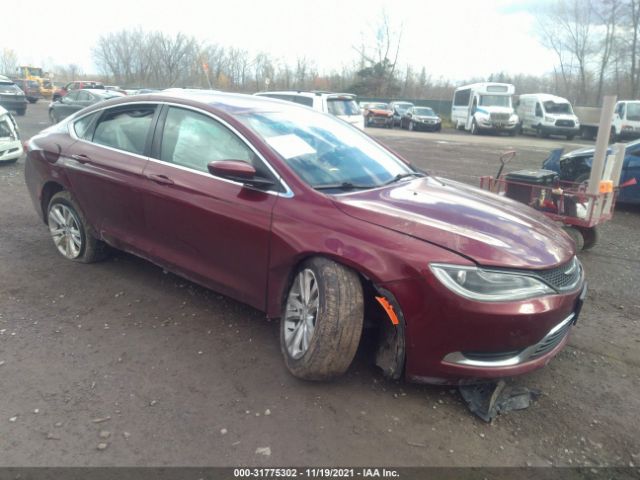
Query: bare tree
[[8, 62]]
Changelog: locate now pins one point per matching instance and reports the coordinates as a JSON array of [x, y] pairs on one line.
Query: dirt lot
[[165, 372]]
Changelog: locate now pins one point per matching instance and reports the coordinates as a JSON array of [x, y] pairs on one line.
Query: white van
[[545, 115], [484, 106], [10, 146], [342, 105]]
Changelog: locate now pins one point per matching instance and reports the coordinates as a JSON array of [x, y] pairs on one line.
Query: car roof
[[308, 93], [545, 97], [4, 79], [229, 102]]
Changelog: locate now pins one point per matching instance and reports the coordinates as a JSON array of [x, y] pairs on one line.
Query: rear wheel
[[322, 320], [589, 236], [576, 236], [70, 232]]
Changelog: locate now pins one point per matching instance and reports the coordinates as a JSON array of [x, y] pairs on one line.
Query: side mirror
[[238, 171]]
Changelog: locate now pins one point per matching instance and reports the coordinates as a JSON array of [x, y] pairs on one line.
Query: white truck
[[545, 115], [484, 107], [625, 124]]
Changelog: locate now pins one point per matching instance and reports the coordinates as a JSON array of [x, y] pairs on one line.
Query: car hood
[[427, 117], [487, 228], [378, 111]]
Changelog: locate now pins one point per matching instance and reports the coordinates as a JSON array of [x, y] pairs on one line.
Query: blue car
[[575, 166]]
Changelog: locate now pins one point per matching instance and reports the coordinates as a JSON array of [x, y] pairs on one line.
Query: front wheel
[[70, 232], [322, 320], [411, 126], [474, 127]]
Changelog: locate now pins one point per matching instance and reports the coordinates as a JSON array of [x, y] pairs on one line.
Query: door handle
[[161, 179], [81, 158]]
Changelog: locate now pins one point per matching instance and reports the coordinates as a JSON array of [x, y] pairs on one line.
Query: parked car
[[575, 166], [77, 85], [12, 97], [31, 89], [399, 108], [10, 145], [115, 88], [76, 100], [310, 220], [545, 115], [378, 114], [342, 105], [421, 118]]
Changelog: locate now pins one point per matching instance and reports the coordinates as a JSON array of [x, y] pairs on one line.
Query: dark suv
[[11, 97]]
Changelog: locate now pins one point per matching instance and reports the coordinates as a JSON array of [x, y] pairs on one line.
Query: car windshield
[[326, 152], [343, 106], [561, 107], [379, 106], [7, 129], [426, 111], [633, 111], [403, 107], [9, 88], [495, 100]]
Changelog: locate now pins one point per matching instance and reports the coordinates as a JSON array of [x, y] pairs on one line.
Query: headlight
[[489, 285], [549, 119]]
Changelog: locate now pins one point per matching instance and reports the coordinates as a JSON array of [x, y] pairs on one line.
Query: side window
[[462, 97], [84, 126], [191, 139], [71, 97], [621, 110], [308, 101], [125, 128], [538, 110], [83, 96]]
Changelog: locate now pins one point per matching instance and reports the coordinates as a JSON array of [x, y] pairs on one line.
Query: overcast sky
[[455, 39]]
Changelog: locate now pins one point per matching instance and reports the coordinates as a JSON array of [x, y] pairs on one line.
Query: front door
[[211, 230]]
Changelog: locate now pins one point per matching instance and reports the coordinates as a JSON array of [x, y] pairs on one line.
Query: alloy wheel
[[64, 227], [301, 313]]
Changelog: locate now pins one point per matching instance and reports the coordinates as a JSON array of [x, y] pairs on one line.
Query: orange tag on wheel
[[389, 309]]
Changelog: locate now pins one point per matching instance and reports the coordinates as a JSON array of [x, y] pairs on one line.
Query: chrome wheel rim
[[301, 313], [64, 227]]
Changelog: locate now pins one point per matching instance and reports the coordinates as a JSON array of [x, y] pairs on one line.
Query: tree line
[[596, 44]]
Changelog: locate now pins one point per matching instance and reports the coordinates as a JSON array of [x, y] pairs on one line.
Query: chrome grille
[[499, 117], [565, 123]]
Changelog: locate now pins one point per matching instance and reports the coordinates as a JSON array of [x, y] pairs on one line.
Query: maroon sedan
[[306, 218]]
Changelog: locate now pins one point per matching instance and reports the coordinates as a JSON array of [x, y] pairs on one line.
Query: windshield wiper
[[343, 186], [400, 176]]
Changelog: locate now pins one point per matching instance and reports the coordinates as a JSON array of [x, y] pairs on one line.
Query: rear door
[[106, 165], [211, 230]]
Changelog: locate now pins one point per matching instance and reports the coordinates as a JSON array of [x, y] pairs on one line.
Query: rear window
[[343, 106], [125, 129], [9, 88]]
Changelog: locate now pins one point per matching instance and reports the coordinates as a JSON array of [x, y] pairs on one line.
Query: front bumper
[[14, 104], [379, 121], [430, 127], [452, 340], [553, 130], [497, 126], [10, 151]]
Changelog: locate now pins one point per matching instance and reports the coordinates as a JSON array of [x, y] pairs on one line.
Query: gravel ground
[[120, 363]]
